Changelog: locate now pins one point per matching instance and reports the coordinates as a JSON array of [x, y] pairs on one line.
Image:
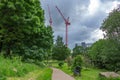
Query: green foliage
[[60, 51], [22, 27], [77, 62], [69, 61], [2, 77], [34, 53], [86, 74], [105, 54], [111, 25], [46, 74], [15, 67], [61, 63], [95, 53], [40, 64], [77, 50]]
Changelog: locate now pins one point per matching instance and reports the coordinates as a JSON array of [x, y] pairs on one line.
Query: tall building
[[83, 44]]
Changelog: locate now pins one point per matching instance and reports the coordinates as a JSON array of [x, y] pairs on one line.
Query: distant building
[[83, 44]]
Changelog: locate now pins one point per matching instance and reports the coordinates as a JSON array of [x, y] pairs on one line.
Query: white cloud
[[111, 6], [93, 6], [97, 34]]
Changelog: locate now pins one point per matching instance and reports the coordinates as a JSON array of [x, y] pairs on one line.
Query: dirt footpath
[[60, 75]]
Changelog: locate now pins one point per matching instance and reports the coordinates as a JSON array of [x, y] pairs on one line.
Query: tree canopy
[[77, 50], [60, 51], [111, 25], [22, 26], [105, 53]]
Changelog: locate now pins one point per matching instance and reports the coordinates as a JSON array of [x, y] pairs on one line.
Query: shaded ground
[[60, 75]]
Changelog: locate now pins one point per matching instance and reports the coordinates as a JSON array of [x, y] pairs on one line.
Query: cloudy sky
[[86, 17]]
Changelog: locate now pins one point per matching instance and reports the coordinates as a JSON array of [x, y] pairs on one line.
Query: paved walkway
[[60, 75]]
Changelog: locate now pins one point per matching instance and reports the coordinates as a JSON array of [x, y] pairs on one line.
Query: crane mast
[[67, 23], [50, 20]]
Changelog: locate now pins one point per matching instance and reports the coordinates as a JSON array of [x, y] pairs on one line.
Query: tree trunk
[[8, 50], [1, 46]]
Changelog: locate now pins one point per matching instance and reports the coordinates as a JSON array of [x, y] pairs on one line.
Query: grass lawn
[[86, 74], [41, 74], [89, 74]]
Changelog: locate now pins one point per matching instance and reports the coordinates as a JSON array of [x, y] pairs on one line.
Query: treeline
[[105, 53], [22, 30]]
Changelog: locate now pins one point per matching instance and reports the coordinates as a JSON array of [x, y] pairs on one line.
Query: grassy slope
[[16, 70], [41, 74], [15, 67]]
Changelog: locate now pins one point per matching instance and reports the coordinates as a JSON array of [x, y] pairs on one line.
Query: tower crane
[[67, 23], [50, 20]]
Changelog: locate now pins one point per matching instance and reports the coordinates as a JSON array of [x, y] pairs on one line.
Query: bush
[[69, 61], [41, 64], [2, 77], [77, 62], [61, 63], [105, 54]]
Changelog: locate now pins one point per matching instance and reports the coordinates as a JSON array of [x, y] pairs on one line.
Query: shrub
[[2, 77], [77, 62], [61, 63], [69, 61]]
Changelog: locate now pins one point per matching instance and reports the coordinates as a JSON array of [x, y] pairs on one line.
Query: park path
[[60, 75]]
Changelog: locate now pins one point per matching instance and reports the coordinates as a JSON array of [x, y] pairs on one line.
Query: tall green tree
[[77, 50], [96, 55], [111, 25], [60, 51], [22, 25]]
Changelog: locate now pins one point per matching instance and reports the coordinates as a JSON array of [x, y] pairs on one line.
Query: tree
[[22, 26], [111, 25], [96, 55], [77, 50], [60, 51], [105, 54]]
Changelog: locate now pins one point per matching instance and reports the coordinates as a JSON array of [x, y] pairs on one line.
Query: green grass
[[89, 74], [14, 69], [86, 74], [41, 74], [46, 74]]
